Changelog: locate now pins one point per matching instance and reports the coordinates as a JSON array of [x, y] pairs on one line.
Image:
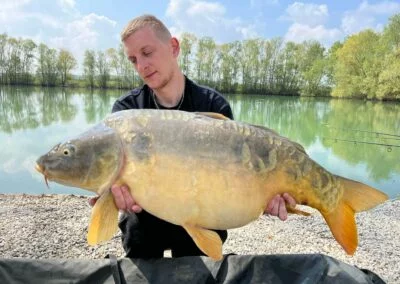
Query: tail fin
[[356, 197], [360, 196]]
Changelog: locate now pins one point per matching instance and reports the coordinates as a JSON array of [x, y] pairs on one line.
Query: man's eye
[[147, 53], [132, 60]]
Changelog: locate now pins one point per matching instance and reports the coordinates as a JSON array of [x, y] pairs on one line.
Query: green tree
[[270, 65], [89, 67], [205, 61], [65, 64], [312, 68], [250, 65], [115, 65], [227, 55], [102, 69], [47, 66], [3, 58], [288, 69], [185, 57], [389, 78], [13, 62], [358, 66], [28, 50], [391, 33], [331, 61]]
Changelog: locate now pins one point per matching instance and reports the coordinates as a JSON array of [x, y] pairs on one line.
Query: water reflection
[[33, 120]]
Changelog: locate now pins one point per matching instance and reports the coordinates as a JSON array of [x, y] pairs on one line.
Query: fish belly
[[196, 192]]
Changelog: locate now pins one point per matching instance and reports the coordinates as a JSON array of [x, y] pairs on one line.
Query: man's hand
[[122, 198], [277, 206]]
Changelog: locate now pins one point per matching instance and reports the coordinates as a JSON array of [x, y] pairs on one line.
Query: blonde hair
[[143, 21]]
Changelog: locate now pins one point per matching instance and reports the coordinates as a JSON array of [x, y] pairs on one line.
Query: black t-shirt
[[197, 98]]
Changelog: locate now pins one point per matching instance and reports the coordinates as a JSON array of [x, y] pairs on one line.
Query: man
[[154, 52]]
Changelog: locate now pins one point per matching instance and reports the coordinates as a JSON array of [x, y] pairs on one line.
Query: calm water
[[34, 120]]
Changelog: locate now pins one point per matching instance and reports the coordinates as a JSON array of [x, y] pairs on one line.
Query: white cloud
[[309, 23], [68, 7], [201, 7], [12, 10], [67, 4], [86, 32], [306, 14], [204, 18], [261, 3], [59, 25], [382, 8], [366, 16], [299, 32]]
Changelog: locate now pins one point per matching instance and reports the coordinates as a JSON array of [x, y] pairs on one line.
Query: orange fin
[[356, 197], [213, 115], [293, 210], [360, 196], [208, 241], [104, 221], [342, 223]]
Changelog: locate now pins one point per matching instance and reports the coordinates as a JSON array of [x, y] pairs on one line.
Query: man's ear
[[176, 48]]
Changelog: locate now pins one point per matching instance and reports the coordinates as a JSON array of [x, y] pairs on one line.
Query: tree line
[[364, 65]]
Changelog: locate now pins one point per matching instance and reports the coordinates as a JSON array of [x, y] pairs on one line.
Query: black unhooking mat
[[302, 268]]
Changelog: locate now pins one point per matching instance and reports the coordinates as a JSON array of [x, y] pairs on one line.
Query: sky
[[77, 25]]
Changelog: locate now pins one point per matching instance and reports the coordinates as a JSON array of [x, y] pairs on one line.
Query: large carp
[[201, 171]]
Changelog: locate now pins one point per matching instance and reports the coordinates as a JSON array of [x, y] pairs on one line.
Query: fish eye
[[68, 150]]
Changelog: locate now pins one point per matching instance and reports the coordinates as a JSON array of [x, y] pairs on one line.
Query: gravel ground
[[54, 226]]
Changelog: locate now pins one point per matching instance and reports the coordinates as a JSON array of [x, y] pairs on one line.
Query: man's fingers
[[272, 204], [92, 200], [289, 199], [136, 208], [282, 210], [118, 197], [275, 206], [129, 202]]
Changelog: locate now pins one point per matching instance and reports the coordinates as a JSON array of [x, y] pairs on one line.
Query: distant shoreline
[[54, 226]]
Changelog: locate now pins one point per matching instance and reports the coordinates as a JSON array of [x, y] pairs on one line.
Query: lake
[[352, 138]]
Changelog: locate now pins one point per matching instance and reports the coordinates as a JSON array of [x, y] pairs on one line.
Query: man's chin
[[156, 85]]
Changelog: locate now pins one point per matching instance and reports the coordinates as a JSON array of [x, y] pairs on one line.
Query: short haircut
[[143, 21]]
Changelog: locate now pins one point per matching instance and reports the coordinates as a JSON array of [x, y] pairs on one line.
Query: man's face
[[152, 58]]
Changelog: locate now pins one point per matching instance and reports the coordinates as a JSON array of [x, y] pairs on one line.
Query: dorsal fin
[[214, 115]]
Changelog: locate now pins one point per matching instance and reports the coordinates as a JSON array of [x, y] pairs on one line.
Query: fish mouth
[[41, 170]]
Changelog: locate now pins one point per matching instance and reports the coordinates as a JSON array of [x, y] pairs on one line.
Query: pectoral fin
[[208, 241], [293, 210], [104, 221]]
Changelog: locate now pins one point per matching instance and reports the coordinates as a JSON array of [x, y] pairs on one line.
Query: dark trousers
[[146, 236]]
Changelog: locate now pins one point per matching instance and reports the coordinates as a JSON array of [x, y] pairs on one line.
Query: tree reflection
[[98, 103], [296, 118], [28, 108], [362, 122]]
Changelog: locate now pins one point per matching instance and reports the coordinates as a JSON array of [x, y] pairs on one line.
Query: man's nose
[[141, 64]]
